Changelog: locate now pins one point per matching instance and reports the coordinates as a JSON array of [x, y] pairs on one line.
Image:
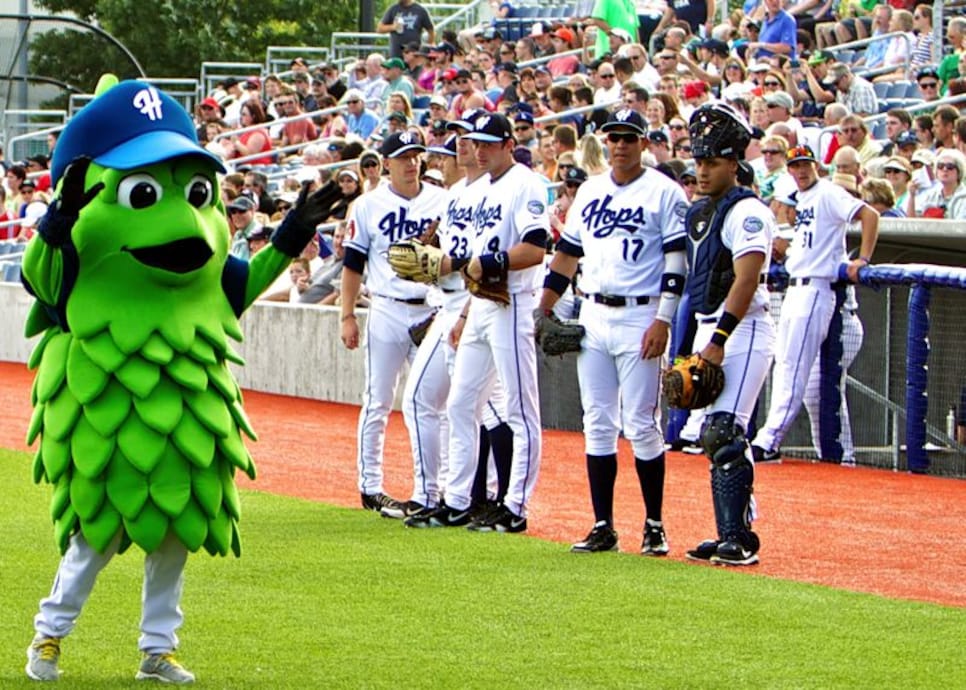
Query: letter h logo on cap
[[148, 102]]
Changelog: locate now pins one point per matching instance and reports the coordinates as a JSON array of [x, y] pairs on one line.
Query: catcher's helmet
[[718, 131]]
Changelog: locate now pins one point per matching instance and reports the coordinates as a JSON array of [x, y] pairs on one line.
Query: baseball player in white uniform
[[511, 228], [626, 226], [428, 384], [729, 243], [403, 209], [823, 213]]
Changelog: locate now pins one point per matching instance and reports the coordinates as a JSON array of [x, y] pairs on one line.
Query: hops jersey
[[822, 216], [456, 232], [381, 217], [622, 230], [509, 208], [749, 227]]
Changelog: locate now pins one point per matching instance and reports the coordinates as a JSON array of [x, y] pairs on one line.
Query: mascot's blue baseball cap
[[127, 126]]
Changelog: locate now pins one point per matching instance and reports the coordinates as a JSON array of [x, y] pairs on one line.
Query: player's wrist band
[[495, 266], [348, 316], [726, 325], [556, 282], [457, 264], [866, 259]]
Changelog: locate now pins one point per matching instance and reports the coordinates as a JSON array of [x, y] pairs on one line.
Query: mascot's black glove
[[300, 223], [57, 223]]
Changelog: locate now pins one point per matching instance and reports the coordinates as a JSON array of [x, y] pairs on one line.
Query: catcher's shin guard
[[732, 476]]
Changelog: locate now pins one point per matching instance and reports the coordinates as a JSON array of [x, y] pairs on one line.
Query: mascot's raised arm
[[138, 416]]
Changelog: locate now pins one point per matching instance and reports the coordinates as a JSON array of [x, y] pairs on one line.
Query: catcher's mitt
[[489, 288], [557, 337], [693, 383], [413, 260]]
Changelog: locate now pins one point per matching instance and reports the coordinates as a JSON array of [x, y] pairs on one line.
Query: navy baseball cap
[[467, 120], [398, 143], [575, 176], [130, 125], [907, 138], [523, 116], [625, 117], [491, 127], [657, 136], [447, 149], [523, 156]]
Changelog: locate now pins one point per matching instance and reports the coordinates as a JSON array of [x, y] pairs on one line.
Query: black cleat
[[731, 552], [402, 511], [703, 551], [765, 457], [502, 519], [601, 538], [655, 541], [380, 503], [442, 516]]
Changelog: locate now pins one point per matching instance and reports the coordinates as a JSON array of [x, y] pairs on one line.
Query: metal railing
[[277, 58], [213, 72], [469, 14], [865, 42], [30, 123], [354, 44]]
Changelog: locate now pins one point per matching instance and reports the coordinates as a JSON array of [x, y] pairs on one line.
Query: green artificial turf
[[328, 597]]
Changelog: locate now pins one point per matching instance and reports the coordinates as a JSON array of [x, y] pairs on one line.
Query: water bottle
[[951, 423]]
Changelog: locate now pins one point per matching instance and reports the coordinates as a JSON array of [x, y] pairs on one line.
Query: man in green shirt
[[949, 67], [608, 15]]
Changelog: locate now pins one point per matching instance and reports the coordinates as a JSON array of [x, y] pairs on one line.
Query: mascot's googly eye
[[199, 191], [139, 191]]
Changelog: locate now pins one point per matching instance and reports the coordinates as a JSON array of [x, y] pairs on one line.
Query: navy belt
[[416, 301], [450, 291], [618, 301]]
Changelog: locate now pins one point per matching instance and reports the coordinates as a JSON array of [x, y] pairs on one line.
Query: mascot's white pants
[[163, 581]]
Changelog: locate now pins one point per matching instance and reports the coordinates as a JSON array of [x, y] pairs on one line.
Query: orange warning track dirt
[[896, 535]]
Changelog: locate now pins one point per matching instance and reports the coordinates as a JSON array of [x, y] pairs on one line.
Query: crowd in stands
[[774, 62]]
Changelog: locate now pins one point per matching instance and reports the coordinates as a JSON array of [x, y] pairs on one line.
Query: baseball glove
[[417, 332], [557, 337], [489, 288], [693, 383], [413, 260]]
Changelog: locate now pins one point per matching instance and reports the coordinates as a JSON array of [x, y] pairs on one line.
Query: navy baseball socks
[[650, 474]]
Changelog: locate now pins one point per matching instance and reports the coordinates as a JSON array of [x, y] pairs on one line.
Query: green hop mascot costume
[[138, 417]]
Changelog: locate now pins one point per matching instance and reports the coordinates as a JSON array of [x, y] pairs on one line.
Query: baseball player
[[627, 226], [823, 213], [428, 384], [729, 241], [403, 209], [511, 228]]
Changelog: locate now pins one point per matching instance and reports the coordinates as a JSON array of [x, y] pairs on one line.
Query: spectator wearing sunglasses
[[947, 199], [772, 166], [927, 79], [361, 121], [370, 170]]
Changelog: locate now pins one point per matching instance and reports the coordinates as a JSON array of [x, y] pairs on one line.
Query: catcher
[[729, 235]]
